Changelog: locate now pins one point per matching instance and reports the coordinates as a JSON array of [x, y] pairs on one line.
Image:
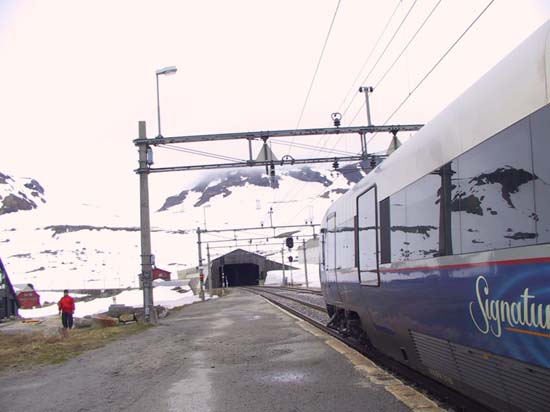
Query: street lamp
[[167, 71]]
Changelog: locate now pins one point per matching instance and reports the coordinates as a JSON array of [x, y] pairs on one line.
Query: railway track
[[296, 289], [281, 293], [315, 314]]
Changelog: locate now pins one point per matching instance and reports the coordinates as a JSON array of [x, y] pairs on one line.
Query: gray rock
[[80, 323]]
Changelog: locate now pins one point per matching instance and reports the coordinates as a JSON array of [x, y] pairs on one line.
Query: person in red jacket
[[66, 310]]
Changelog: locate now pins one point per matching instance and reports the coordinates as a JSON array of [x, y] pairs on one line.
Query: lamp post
[[165, 71]]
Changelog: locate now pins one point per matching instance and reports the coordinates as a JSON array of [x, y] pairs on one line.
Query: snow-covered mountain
[[19, 194], [224, 184], [58, 243]]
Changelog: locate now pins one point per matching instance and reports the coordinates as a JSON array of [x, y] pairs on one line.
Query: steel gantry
[[362, 131], [145, 145]]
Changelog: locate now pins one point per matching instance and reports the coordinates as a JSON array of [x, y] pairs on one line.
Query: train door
[[332, 258], [367, 238]]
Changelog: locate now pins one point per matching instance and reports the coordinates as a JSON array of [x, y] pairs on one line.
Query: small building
[[27, 296], [8, 299], [161, 274]]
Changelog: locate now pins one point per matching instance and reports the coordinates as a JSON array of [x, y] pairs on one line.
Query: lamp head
[[167, 70]]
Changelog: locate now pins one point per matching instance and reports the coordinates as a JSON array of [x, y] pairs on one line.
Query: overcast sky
[[77, 76]]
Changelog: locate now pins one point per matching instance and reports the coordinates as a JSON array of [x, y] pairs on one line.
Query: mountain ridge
[[18, 194]]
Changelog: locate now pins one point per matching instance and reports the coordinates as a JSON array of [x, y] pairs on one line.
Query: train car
[[440, 257]]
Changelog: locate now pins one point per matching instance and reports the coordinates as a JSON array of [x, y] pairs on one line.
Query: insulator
[[336, 119]]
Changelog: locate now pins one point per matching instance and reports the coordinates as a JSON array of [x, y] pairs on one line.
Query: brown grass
[[25, 350]]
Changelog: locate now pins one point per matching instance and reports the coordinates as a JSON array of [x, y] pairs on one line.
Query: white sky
[[76, 77]]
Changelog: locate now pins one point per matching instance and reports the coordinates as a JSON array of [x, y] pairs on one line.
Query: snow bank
[[162, 295], [296, 276]]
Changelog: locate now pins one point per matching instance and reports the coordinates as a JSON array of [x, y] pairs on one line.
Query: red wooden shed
[[161, 274], [27, 296]]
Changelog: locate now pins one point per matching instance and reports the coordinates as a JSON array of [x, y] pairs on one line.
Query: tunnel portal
[[241, 268], [242, 274]]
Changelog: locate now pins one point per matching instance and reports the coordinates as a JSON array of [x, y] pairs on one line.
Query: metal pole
[[209, 271], [158, 105], [305, 263], [363, 145], [283, 259], [250, 151], [201, 274], [145, 229], [367, 90], [223, 277]]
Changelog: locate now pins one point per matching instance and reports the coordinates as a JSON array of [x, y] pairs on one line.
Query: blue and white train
[[440, 257]]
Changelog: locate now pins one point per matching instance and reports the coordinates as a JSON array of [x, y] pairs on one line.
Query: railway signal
[[289, 242]]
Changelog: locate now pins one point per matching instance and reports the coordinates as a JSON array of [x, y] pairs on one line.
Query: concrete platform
[[236, 353]]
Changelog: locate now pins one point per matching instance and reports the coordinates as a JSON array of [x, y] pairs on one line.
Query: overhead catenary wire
[[322, 147], [311, 147], [388, 44], [317, 66], [353, 84], [313, 79], [200, 153], [391, 66], [429, 72], [439, 61], [376, 63], [397, 59], [408, 44]]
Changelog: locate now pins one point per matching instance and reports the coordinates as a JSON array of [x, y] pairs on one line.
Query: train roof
[[517, 86]]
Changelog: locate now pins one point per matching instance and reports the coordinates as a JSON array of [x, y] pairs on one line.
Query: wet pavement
[[236, 353]]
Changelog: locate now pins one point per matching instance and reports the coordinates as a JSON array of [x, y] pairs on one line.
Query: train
[[440, 256]]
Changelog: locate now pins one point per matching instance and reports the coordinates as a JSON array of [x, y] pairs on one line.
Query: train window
[[345, 239], [422, 217], [323, 251], [385, 244], [367, 235], [398, 219], [494, 196], [540, 127], [495, 192], [414, 220], [331, 242]]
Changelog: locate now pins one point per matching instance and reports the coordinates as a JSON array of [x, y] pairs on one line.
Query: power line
[[369, 55], [313, 79], [201, 153], [382, 54], [322, 148], [439, 61], [316, 148], [318, 65], [408, 44]]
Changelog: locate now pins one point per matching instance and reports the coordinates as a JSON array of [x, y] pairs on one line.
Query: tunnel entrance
[[242, 274]]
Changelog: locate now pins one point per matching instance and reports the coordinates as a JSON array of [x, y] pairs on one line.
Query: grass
[[25, 350]]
